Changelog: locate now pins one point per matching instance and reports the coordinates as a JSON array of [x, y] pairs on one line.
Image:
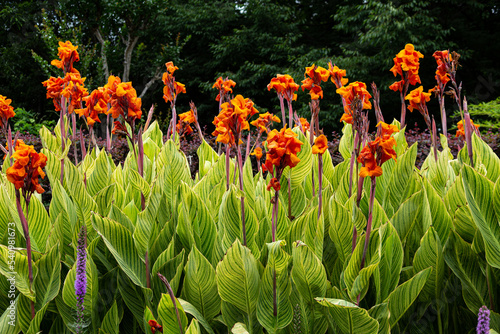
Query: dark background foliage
[[248, 41]]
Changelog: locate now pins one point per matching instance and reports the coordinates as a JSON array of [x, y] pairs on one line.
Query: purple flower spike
[[483, 321], [81, 277]]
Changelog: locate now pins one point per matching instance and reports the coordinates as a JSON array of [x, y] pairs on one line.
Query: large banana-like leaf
[[408, 215], [465, 264], [308, 273], [172, 320], [434, 212], [39, 225], [17, 266], [479, 194], [206, 158], [357, 278], [346, 142], [238, 278], [309, 229], [111, 322], [195, 226], [200, 285], [350, 318], [120, 243], [391, 262], [303, 168], [190, 309], [100, 176], [430, 254], [274, 310], [403, 297], [341, 229], [48, 280]]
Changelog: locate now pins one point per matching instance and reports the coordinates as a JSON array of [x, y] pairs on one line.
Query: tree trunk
[[127, 56]]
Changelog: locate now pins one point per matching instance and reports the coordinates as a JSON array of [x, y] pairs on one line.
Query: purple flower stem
[[369, 222], [24, 223], [320, 183], [468, 137], [240, 166], [228, 149], [172, 297]]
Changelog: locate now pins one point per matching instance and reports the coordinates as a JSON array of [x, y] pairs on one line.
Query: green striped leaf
[[111, 322], [348, 317], [35, 323], [200, 285], [479, 193], [48, 280], [194, 327], [206, 158], [132, 296], [195, 225], [308, 273], [391, 262], [408, 215], [484, 155], [121, 244], [357, 279], [400, 179], [274, 310], [309, 229], [465, 264], [403, 297], [190, 309], [17, 266], [101, 175], [39, 225], [346, 142], [9, 323], [434, 212], [238, 278], [341, 229], [430, 254], [168, 316]]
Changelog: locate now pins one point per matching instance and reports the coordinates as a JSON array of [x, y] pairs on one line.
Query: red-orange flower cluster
[[96, 103], [123, 99], [225, 86], [155, 327], [304, 123], [312, 82], [183, 125], [354, 89], [285, 86], [443, 60], [6, 110], [407, 61], [68, 55], [232, 119], [27, 168], [172, 88], [378, 151], [320, 145], [417, 99], [461, 130], [282, 149], [257, 152], [264, 121], [337, 75], [71, 87]]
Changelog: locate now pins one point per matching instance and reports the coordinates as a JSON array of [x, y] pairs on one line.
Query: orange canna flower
[[68, 55], [320, 145], [285, 86], [264, 121], [257, 152], [123, 99], [183, 124], [275, 184], [27, 168], [6, 110], [283, 147], [314, 75], [225, 86], [417, 98], [305, 124], [172, 88], [378, 151], [461, 130], [407, 60], [443, 60], [96, 103], [337, 75], [234, 117], [354, 89], [155, 327], [73, 90]]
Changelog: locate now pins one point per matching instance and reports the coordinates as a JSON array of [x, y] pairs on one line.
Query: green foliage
[[26, 121], [486, 114]]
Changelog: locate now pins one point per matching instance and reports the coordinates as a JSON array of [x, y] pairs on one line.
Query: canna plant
[[162, 252]]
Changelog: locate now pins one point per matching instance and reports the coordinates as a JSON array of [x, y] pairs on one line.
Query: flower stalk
[[174, 301], [81, 278]]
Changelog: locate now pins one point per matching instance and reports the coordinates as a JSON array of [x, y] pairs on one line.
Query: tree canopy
[[248, 41]]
